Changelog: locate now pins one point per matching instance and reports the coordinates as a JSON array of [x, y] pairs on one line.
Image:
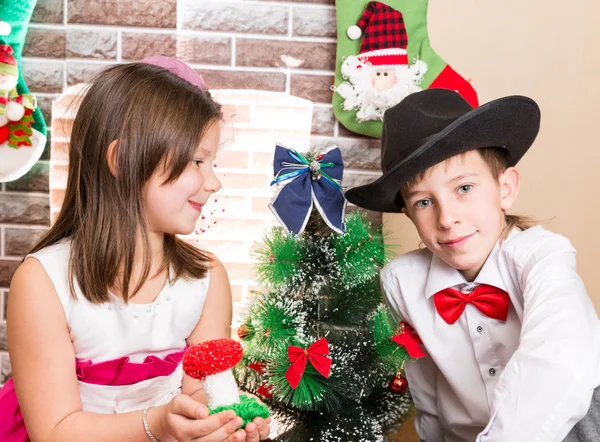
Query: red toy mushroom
[[212, 362]]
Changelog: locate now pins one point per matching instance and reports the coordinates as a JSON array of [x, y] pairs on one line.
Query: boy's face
[[458, 210]]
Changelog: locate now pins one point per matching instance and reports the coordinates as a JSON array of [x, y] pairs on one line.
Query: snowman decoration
[[380, 76], [20, 144]]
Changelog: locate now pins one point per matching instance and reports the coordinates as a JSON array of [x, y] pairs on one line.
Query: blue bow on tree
[[308, 178]]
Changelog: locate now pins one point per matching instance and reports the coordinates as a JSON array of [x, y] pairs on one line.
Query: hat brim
[[509, 123]]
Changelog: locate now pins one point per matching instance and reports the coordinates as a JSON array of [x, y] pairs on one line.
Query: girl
[[111, 287]]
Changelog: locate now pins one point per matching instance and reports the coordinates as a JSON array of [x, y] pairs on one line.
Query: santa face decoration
[[380, 76]]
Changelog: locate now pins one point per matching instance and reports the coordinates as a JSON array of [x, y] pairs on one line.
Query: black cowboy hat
[[430, 126]]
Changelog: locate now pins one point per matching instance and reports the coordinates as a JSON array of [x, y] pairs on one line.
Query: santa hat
[[8, 63], [384, 36]]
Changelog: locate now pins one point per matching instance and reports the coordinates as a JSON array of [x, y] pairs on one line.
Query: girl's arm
[[215, 323], [43, 364]]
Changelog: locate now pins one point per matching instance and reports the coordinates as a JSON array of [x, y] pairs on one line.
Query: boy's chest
[[472, 351]]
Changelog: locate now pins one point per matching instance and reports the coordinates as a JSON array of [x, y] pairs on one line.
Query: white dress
[[114, 330]]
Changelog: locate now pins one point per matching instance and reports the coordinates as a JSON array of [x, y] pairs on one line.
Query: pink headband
[[178, 68]]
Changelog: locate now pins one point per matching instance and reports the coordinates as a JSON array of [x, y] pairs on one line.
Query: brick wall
[[277, 46]]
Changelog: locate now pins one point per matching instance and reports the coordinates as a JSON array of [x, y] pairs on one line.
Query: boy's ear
[[111, 157], [406, 213], [509, 187]]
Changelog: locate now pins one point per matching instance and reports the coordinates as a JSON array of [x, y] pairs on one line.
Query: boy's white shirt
[[546, 356]]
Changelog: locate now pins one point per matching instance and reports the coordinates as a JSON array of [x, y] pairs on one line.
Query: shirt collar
[[442, 275]]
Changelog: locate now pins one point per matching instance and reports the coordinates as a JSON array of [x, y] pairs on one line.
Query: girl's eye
[[466, 188], [422, 204], [197, 163]]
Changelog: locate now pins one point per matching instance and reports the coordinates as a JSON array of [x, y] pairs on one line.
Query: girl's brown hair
[[495, 159], [158, 120]]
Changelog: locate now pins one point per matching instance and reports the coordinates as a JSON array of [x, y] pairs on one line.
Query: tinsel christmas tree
[[319, 348]]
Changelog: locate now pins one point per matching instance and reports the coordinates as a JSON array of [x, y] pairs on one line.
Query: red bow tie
[[489, 300]]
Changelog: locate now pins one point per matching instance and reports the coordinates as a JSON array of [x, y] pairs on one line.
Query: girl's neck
[[156, 254]]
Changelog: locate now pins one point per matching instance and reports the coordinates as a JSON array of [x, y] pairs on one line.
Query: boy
[[513, 341]]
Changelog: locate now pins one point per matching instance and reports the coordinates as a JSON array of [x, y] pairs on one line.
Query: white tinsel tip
[[221, 389], [5, 28], [354, 32]]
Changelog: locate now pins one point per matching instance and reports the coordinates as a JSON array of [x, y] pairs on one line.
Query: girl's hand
[[185, 420], [258, 429]]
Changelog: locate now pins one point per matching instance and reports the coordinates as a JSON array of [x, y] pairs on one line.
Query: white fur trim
[[354, 32], [221, 389], [379, 52], [5, 28], [14, 163]]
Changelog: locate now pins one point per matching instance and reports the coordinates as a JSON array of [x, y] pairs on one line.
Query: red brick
[[287, 54], [48, 11], [24, 209], [314, 22], [45, 43], [100, 45], [316, 88], [323, 120], [83, 72], [227, 16], [138, 45], [266, 81], [143, 13], [204, 49], [19, 241], [45, 76], [358, 153], [7, 269]]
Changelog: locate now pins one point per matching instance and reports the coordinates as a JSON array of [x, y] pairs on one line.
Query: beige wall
[[548, 51]]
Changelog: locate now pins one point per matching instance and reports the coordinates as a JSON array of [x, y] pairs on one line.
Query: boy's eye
[[466, 188], [422, 204]]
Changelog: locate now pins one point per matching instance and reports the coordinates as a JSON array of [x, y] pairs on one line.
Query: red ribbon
[[264, 389], [489, 300], [299, 356], [409, 339]]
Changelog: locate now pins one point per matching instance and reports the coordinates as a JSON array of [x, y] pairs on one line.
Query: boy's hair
[[495, 159], [158, 120]]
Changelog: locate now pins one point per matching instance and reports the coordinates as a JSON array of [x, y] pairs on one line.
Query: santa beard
[[359, 93]]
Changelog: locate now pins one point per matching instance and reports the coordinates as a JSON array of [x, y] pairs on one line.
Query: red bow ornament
[[409, 339], [316, 354]]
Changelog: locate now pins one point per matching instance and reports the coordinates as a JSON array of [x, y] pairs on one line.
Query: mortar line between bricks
[[119, 46], [233, 50], [12, 258], [17, 193], [23, 227], [65, 12]]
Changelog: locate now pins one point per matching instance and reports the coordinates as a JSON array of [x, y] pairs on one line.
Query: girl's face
[[175, 207]]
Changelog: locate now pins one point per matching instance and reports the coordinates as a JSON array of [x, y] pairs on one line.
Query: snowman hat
[[384, 36]]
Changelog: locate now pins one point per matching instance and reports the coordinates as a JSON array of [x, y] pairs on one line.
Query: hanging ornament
[[246, 331], [383, 55], [22, 127], [399, 385]]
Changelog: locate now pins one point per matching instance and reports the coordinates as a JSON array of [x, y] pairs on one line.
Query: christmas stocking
[[22, 127], [383, 55]]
